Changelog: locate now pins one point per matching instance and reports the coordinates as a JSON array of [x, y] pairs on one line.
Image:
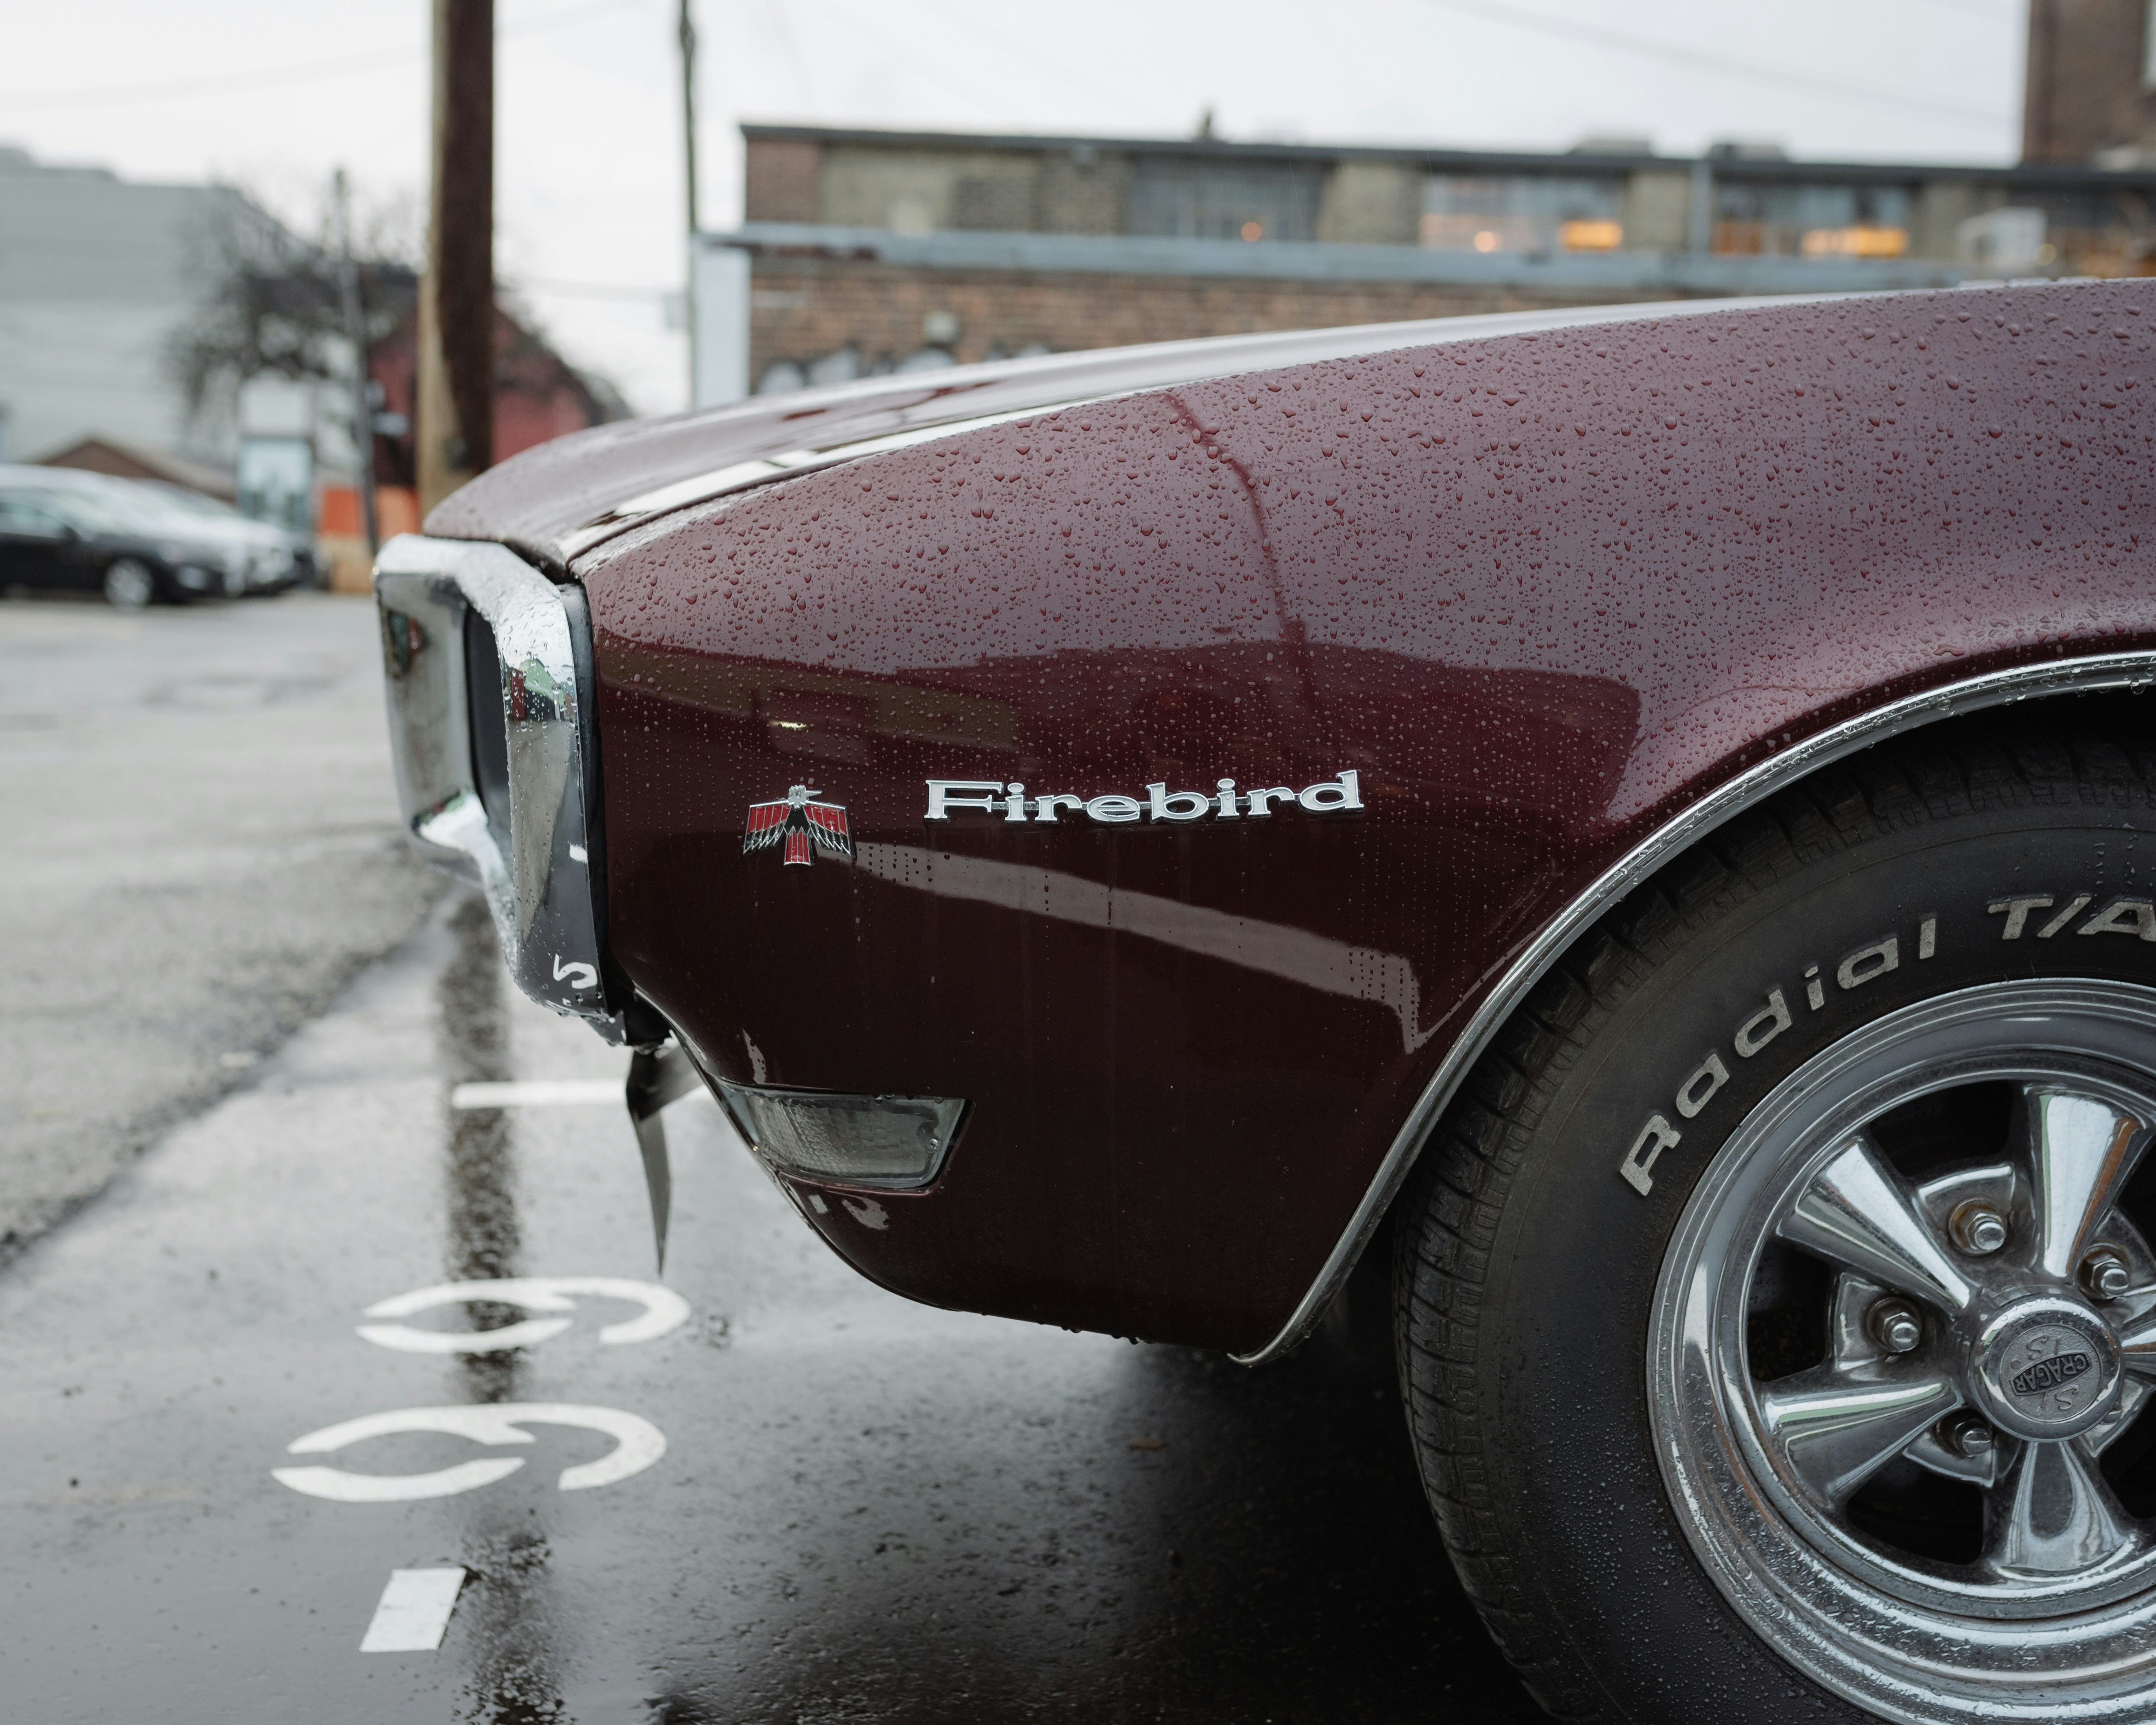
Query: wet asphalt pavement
[[201, 848], [863, 1510]]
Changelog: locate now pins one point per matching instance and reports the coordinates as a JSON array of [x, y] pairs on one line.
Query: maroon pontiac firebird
[[1635, 827]]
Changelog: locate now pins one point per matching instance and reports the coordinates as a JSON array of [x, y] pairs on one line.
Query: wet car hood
[[556, 501]]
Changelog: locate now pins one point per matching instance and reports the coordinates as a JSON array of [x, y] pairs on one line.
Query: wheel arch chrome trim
[[1746, 790]]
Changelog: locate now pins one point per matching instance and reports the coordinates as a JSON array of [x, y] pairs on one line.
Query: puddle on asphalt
[[855, 1509], [507, 1605]]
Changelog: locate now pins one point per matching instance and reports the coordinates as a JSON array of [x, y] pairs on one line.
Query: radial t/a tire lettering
[[1774, 1308]]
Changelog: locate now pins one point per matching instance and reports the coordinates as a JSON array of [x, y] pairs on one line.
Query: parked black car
[[50, 538]]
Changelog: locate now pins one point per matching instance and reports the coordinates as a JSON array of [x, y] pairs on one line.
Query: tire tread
[[1455, 1199]]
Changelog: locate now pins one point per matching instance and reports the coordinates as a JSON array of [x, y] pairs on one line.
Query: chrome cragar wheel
[[1900, 1346]]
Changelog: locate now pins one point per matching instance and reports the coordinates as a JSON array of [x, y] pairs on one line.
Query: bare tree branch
[[273, 306]]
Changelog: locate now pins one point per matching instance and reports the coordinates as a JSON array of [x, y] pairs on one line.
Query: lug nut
[[1968, 1436], [1978, 1229], [1895, 1326], [2104, 1274]]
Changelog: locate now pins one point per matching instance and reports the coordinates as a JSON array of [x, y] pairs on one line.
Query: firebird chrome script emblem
[[805, 825], [950, 797]]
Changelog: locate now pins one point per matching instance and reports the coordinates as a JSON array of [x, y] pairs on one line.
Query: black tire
[[1525, 1268]]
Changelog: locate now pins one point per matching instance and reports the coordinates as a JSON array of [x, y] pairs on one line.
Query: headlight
[[489, 674]]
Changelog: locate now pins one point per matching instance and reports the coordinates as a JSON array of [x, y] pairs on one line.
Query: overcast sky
[[273, 94]]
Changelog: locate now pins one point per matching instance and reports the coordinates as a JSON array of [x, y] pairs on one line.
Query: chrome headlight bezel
[[531, 841]]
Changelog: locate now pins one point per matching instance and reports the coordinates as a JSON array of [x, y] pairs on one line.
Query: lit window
[[1857, 242], [1521, 213], [1783, 218], [1173, 198]]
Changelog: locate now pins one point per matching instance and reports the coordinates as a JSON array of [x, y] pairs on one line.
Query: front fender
[[1557, 601]]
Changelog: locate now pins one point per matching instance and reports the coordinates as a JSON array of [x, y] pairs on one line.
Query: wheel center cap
[[2046, 1368]]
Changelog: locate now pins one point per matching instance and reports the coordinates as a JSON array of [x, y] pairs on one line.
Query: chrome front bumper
[[471, 631]]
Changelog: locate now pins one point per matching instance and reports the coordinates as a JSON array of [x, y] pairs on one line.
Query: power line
[[1571, 29], [1490, 10], [1976, 8], [590, 289], [1030, 59], [935, 73], [215, 84], [297, 72]]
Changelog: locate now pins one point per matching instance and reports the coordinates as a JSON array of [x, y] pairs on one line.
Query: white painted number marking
[[638, 1443], [577, 973], [414, 1611], [663, 1310]]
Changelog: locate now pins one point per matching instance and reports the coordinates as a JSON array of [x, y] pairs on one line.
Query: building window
[[2090, 232], [1521, 213], [992, 203], [1175, 199], [1789, 219], [2008, 239]]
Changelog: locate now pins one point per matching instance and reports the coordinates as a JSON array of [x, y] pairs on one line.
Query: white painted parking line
[[414, 1611], [538, 1093]]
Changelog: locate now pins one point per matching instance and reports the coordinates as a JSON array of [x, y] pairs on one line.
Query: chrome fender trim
[[2113, 670], [534, 857]]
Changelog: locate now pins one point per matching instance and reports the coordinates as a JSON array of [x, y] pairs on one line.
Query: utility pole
[[456, 394], [688, 39], [362, 398]]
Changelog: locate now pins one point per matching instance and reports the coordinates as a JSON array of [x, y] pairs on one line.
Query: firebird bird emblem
[[802, 823]]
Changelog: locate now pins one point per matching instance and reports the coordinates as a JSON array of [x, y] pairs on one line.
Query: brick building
[[873, 251], [2091, 95], [537, 396]]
